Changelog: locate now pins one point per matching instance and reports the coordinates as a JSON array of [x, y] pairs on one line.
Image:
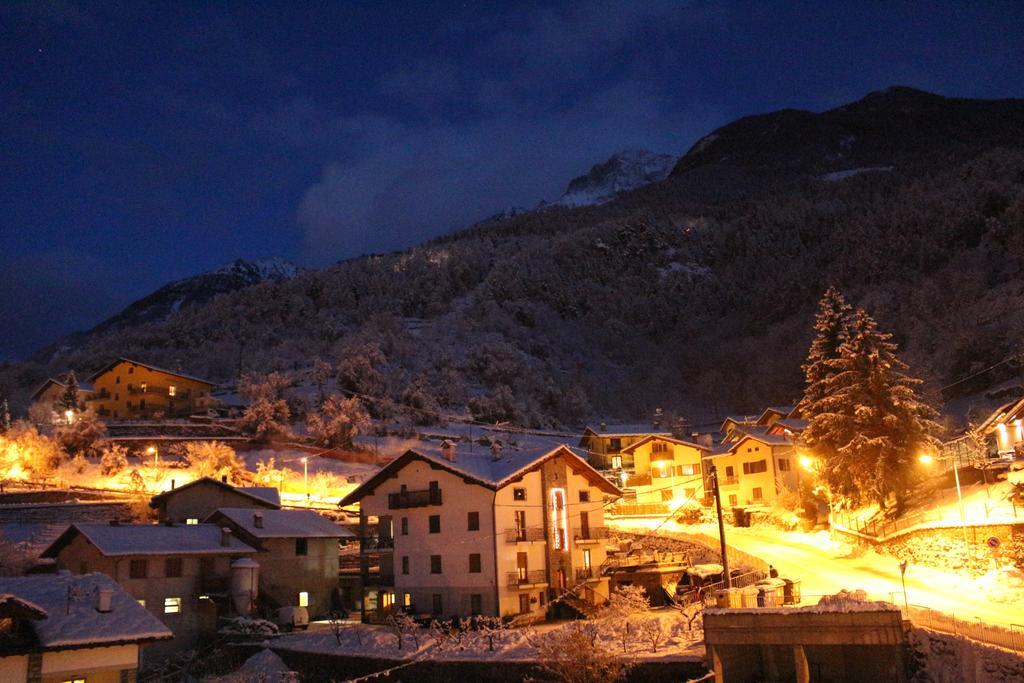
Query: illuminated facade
[[127, 389], [667, 473]]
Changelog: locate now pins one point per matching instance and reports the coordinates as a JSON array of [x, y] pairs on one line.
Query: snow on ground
[[836, 176], [825, 566], [946, 658]]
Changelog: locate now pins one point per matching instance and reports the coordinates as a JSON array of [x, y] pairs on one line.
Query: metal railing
[[638, 480], [995, 513], [527, 578], [377, 543], [584, 573], [414, 499], [639, 509], [524, 535], [1009, 636], [594, 533], [729, 481]]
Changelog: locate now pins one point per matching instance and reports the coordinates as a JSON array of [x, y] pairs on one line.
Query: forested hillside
[[695, 294]]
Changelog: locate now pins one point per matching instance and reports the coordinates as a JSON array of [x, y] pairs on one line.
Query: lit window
[[73, 680], [616, 462], [142, 385], [304, 598], [204, 597], [142, 602], [172, 605], [757, 494], [172, 390], [559, 519], [407, 600], [387, 599], [191, 520], [518, 494]]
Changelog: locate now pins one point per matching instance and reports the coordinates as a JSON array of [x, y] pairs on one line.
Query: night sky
[[144, 142]]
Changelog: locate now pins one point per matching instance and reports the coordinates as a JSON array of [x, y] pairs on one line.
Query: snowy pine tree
[[868, 423], [69, 399], [5, 416], [832, 328]]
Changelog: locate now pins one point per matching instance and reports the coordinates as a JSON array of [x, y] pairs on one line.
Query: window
[[783, 465], [172, 567], [192, 520], [586, 558], [172, 605], [137, 569], [434, 524], [302, 546], [615, 444], [73, 680], [584, 495], [755, 467], [303, 599], [407, 600], [659, 447], [757, 494], [129, 405], [474, 563], [143, 386], [730, 471], [435, 564], [117, 379], [387, 599], [616, 462], [473, 523], [521, 566], [405, 564], [688, 470], [435, 603], [732, 499], [520, 517], [476, 603], [518, 494], [131, 370], [524, 603], [405, 526], [666, 495], [207, 566], [172, 391], [142, 602]]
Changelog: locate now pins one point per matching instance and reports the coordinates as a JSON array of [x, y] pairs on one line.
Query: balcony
[[414, 499], [377, 543], [586, 574], [521, 578], [638, 480], [214, 584], [526, 535], [594, 533], [729, 481]]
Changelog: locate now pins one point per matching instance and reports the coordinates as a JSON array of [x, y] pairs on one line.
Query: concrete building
[[58, 628], [866, 644], [198, 499], [666, 473], [605, 444], [457, 532], [128, 389], [181, 574], [755, 468], [298, 555]]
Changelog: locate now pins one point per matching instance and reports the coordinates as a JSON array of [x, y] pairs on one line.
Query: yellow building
[[666, 473], [129, 389], [755, 469], [606, 444]]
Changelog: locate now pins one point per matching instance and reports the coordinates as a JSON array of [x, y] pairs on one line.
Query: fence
[[1008, 636], [995, 513]]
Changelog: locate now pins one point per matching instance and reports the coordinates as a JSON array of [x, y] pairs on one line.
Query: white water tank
[[245, 580]]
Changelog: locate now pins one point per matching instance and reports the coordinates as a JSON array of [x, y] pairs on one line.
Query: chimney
[[257, 520], [604, 426], [224, 479], [448, 450], [225, 536], [658, 414], [172, 485], [495, 450], [104, 595]]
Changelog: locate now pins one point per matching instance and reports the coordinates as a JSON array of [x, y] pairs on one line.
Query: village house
[[667, 472], [495, 532], [128, 389], [49, 393], [298, 555], [733, 425], [755, 468], [63, 628], [200, 498], [181, 574], [1000, 435], [605, 445]]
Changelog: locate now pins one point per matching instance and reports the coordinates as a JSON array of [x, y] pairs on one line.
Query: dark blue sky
[[143, 142]]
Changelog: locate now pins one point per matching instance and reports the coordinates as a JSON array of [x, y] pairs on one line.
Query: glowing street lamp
[[156, 456], [305, 476], [929, 459], [69, 415], [808, 463]]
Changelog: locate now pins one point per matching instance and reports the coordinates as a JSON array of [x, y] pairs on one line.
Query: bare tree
[[569, 655]]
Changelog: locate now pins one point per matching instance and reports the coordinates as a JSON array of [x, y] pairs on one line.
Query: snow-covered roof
[[758, 434], [111, 365], [480, 466], [633, 429], [83, 387], [792, 424], [281, 523], [71, 619], [659, 437], [120, 540], [777, 410], [267, 495]]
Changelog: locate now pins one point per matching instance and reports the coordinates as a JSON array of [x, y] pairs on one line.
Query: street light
[[807, 462], [305, 476], [69, 415], [156, 456], [928, 459]]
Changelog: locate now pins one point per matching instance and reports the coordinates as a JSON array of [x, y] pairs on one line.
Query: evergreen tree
[[69, 399], [832, 328], [5, 416], [869, 424]]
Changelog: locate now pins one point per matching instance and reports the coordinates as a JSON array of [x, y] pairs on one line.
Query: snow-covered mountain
[[624, 171]]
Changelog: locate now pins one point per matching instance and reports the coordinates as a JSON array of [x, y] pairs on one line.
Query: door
[[584, 526], [521, 569], [524, 603]]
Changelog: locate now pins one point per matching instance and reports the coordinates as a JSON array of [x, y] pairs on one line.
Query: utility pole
[[721, 529]]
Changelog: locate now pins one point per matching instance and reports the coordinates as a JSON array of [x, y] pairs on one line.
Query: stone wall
[[944, 658]]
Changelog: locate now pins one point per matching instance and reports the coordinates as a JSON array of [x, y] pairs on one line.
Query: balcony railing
[[730, 481], [527, 578], [414, 499], [377, 543], [524, 535], [594, 533], [638, 480], [584, 573]]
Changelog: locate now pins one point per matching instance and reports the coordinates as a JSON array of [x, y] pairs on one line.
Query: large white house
[[463, 530]]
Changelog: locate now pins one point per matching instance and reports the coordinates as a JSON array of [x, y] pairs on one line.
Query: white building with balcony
[[464, 530]]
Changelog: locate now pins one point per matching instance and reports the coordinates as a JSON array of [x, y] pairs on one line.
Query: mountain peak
[[623, 171], [270, 268]]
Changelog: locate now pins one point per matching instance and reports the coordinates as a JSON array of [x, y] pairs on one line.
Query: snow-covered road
[[826, 567]]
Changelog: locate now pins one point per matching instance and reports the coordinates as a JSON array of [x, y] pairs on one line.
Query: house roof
[[1008, 411], [17, 607], [265, 495], [758, 435], [777, 410], [281, 523], [792, 424], [737, 420], [480, 467], [634, 429], [659, 437], [123, 540], [69, 615], [84, 387], [114, 363]]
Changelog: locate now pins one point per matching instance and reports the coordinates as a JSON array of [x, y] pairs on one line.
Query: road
[[823, 569]]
